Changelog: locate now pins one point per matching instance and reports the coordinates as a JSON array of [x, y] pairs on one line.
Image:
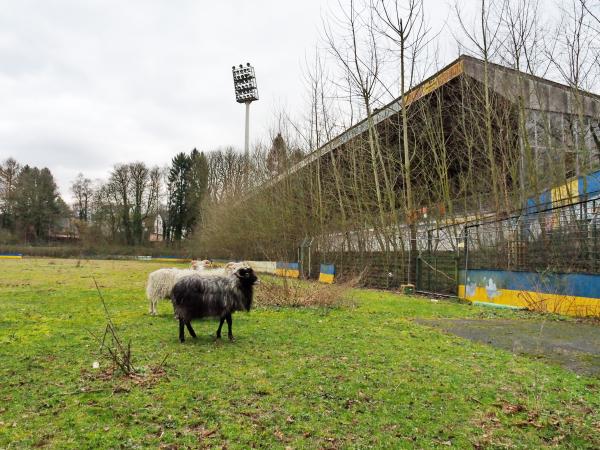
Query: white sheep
[[227, 269], [201, 265], [207, 270], [161, 281]]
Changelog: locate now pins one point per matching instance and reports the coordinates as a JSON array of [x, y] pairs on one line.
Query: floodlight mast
[[244, 83], [247, 133]]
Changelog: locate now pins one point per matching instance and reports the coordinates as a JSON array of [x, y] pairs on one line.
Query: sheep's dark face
[[247, 279], [247, 276]]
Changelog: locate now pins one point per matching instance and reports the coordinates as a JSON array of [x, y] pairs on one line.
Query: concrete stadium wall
[[573, 294], [263, 266]]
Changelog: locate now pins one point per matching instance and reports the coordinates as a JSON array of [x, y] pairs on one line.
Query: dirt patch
[[575, 346]]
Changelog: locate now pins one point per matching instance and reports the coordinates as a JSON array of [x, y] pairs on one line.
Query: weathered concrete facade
[[558, 126]]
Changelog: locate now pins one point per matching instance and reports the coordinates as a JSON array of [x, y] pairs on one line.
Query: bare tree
[[485, 42], [133, 189], [405, 26], [81, 188], [521, 33], [226, 170], [577, 59], [354, 45]]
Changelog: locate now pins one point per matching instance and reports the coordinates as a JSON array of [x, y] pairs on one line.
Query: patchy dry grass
[[317, 377], [278, 292]]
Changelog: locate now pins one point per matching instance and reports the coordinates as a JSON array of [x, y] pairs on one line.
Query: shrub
[[298, 293]]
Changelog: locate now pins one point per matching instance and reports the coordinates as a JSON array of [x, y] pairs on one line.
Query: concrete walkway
[[573, 345]]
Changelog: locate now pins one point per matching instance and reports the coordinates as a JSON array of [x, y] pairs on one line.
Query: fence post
[[418, 268], [428, 264], [466, 245], [309, 261], [595, 237], [456, 273], [429, 239], [435, 270]]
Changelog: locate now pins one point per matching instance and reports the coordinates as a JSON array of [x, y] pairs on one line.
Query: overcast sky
[[87, 84]]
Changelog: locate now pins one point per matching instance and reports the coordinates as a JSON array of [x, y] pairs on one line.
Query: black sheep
[[194, 297]]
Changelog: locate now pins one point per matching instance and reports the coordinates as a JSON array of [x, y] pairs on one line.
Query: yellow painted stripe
[[565, 194], [289, 273], [11, 257], [326, 278], [431, 85], [538, 301]]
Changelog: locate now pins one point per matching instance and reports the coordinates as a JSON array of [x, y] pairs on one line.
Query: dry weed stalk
[[119, 353], [299, 294]]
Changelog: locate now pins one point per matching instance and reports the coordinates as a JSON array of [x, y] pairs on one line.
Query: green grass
[[364, 376]]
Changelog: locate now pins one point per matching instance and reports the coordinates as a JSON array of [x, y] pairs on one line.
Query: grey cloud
[[86, 84]]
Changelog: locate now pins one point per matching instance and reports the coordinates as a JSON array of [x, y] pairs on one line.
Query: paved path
[[573, 345]]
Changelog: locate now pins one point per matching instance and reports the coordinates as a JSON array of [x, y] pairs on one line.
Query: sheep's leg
[[188, 324], [229, 323], [220, 326], [181, 331]]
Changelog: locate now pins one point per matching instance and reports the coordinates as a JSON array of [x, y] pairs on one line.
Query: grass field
[[348, 377]]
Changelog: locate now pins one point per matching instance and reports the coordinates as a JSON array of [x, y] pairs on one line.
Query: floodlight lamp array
[[244, 83]]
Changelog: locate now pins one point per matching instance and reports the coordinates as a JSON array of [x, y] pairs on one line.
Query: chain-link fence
[[559, 239], [382, 270], [562, 239], [438, 259], [429, 260]]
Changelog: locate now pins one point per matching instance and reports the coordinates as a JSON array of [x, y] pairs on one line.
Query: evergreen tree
[[178, 188], [277, 156], [37, 202], [197, 188], [187, 187], [9, 171], [280, 156]]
